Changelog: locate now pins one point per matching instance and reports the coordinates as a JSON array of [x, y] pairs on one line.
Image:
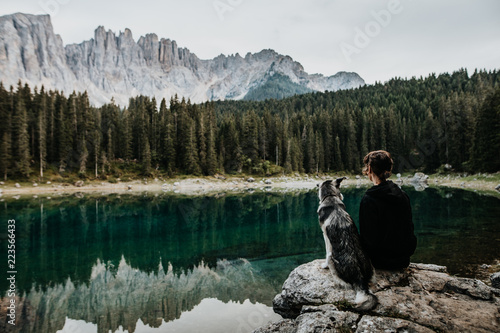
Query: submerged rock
[[421, 298]]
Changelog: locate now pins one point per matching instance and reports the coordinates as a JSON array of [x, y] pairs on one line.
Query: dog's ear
[[326, 182], [338, 181]]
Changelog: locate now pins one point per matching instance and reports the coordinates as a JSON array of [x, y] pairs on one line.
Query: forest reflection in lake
[[128, 260]]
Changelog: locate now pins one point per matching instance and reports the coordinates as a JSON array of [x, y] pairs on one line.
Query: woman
[[385, 220]]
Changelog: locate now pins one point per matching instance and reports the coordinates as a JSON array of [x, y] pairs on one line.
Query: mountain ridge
[[111, 65]]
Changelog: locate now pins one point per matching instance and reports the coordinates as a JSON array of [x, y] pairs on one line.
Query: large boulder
[[422, 298]]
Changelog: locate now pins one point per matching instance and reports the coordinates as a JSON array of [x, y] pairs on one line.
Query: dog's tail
[[365, 300]]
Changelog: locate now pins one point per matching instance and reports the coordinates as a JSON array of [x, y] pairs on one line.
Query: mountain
[[116, 66]]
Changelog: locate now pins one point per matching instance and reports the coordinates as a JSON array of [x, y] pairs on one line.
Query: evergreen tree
[[20, 140], [63, 136], [485, 156], [211, 166], [41, 103], [250, 145], [146, 160], [96, 141], [5, 132], [125, 134]]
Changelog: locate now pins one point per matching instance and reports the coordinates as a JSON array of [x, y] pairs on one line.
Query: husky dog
[[345, 257]]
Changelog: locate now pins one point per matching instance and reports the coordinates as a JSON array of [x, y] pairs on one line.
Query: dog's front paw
[[324, 265]]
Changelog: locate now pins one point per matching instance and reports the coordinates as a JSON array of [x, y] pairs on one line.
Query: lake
[[159, 262]]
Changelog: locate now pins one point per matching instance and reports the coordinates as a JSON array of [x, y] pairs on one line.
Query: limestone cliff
[[111, 65]]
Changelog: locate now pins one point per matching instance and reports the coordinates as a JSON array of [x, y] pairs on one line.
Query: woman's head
[[380, 163]]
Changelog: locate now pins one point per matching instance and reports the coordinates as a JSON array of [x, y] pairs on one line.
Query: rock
[[79, 183], [419, 177], [421, 298], [282, 326], [221, 177], [369, 324], [129, 187], [495, 280], [119, 65], [177, 184], [419, 187], [35, 184], [2, 183], [48, 183], [358, 177], [250, 180], [17, 185], [268, 181], [497, 187]]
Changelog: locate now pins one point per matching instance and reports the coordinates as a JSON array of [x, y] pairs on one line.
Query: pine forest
[[428, 124]]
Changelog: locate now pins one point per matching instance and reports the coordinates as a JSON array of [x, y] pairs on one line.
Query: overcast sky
[[378, 39]]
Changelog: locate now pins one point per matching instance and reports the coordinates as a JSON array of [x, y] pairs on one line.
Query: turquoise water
[[164, 263]]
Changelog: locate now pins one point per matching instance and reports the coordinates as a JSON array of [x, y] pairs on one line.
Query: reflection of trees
[[456, 228], [63, 237], [120, 296]]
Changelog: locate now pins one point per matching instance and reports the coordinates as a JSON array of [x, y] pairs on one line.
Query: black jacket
[[386, 226]]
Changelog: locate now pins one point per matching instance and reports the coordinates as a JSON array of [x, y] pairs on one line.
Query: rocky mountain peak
[[111, 65]]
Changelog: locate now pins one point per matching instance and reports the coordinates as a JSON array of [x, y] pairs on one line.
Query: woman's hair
[[381, 163]]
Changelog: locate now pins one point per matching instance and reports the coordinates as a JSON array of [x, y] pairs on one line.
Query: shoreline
[[209, 185], [186, 186]]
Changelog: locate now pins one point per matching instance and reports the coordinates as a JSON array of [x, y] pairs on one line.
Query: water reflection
[[63, 238], [210, 316], [116, 297], [143, 262]]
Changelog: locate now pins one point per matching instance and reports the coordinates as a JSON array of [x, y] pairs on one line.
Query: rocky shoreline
[[422, 298], [218, 183]]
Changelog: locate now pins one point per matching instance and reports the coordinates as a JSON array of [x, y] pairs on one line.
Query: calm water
[[165, 263]]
